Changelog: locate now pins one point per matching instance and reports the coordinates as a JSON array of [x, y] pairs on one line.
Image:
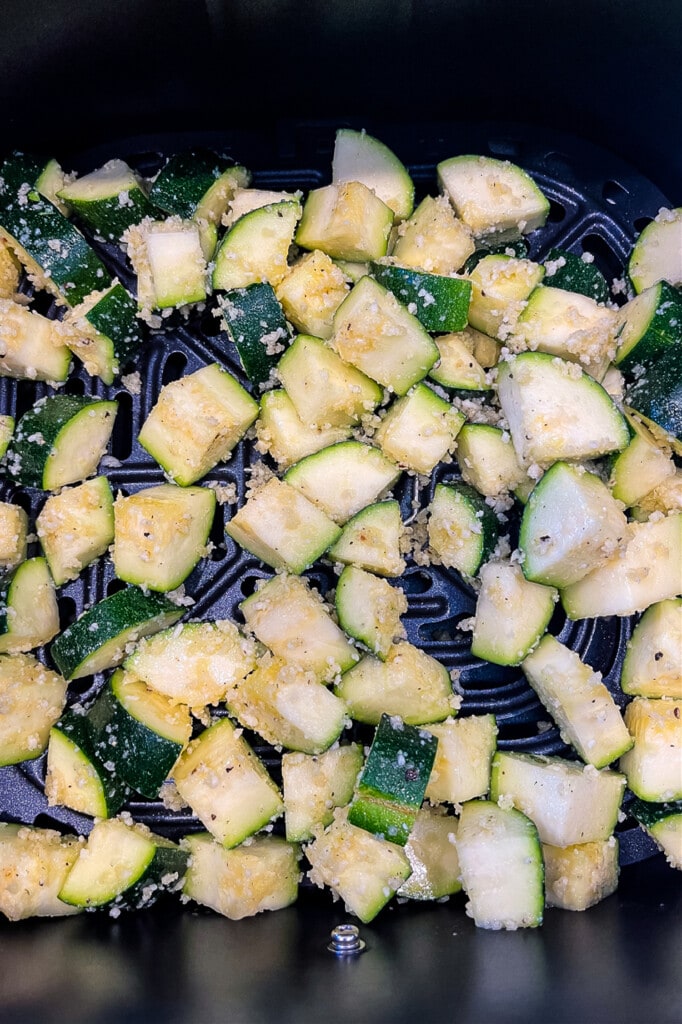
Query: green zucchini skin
[[576, 275], [657, 394], [44, 239], [141, 757], [37, 434], [441, 303], [518, 246], [183, 182], [127, 611], [115, 316], [82, 731], [391, 787], [249, 315]]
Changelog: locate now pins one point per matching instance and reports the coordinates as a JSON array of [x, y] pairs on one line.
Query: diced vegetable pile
[[379, 340]]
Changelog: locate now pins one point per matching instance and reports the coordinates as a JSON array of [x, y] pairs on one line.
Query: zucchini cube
[[347, 221], [226, 784], [13, 535], [362, 869], [315, 785], [241, 882], [311, 292], [419, 430], [282, 527], [391, 788], [161, 534], [196, 423], [653, 765], [39, 859]]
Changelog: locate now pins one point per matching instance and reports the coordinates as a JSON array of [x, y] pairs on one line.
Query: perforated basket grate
[[598, 205]]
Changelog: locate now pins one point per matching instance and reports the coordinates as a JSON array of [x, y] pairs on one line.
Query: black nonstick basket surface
[[598, 206]]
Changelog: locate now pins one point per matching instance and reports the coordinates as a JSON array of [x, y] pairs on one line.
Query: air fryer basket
[[598, 205]]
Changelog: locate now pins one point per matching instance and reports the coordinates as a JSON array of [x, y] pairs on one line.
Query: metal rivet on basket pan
[[346, 941]]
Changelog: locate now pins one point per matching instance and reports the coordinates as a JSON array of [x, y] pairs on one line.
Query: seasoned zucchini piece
[[282, 433], [663, 822], [652, 766], [371, 540], [241, 882], [139, 731], [374, 332], [315, 785], [104, 331], [287, 705], [344, 478], [571, 525], [13, 535], [656, 397], [32, 347], [576, 698], [29, 616], [501, 285], [462, 529], [568, 325], [432, 852], [161, 534], [556, 411], [289, 617], [457, 366], [325, 391], [282, 527], [652, 666], [439, 302], [347, 221], [226, 784], [487, 460], [580, 876], [256, 247], [511, 614], [124, 866], [60, 440], [569, 802], [433, 239], [493, 197], [648, 325], [641, 467], [254, 321], [169, 262], [369, 609], [657, 253], [196, 423], [363, 870], [419, 430], [311, 292], [32, 700], [573, 273], [408, 683], [33, 865], [500, 860], [461, 770], [76, 776], [360, 157], [193, 663], [108, 200], [391, 787], [75, 527]]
